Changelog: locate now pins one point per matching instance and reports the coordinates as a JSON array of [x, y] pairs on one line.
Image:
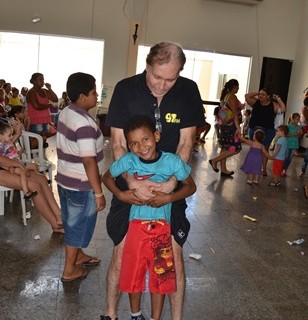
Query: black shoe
[[30, 195], [107, 318], [141, 317], [211, 164], [227, 174]]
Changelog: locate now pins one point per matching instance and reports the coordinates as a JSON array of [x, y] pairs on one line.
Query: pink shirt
[[39, 116]]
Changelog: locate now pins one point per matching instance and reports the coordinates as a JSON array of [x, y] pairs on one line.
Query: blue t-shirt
[[283, 149], [159, 170]]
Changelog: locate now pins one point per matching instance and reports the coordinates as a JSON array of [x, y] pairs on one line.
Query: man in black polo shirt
[[174, 103]]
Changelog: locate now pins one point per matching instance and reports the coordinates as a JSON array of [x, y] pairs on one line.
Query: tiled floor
[[247, 269]]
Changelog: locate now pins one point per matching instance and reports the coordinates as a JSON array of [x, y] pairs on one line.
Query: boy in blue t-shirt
[[279, 154], [148, 240]]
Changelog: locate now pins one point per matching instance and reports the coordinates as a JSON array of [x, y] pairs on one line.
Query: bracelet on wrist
[[98, 195]]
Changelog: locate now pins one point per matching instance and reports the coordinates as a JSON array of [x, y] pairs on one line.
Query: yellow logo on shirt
[[172, 118]]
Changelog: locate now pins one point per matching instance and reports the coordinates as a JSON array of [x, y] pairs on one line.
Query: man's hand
[[130, 196], [142, 189], [166, 187], [159, 199]]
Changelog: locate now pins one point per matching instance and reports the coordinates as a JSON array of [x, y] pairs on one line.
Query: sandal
[[79, 276], [30, 195], [249, 182], [93, 261], [255, 182], [275, 184]]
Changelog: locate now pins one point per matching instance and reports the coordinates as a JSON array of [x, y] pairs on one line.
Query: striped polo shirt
[[78, 137]]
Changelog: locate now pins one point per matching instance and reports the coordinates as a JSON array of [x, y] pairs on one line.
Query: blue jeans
[[288, 159], [78, 210], [39, 128], [304, 166]]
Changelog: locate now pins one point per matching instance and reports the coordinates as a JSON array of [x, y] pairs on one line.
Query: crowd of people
[[150, 176]]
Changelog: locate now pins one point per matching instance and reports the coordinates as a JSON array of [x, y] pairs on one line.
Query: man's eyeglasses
[[158, 125]]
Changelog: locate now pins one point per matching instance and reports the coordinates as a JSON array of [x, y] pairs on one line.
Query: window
[[56, 58]]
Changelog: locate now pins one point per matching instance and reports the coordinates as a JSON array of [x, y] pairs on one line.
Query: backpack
[[225, 114]]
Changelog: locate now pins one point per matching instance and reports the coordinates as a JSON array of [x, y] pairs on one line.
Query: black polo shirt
[[180, 108]]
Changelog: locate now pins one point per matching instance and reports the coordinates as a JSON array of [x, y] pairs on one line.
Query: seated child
[[14, 99], [8, 149], [19, 112]]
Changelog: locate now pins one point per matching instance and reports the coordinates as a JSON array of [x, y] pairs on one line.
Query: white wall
[[271, 29], [299, 78]]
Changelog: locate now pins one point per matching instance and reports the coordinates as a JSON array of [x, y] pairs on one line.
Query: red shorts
[[277, 167], [148, 247]]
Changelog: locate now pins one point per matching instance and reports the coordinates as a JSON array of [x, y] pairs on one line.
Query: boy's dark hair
[[295, 115], [79, 83], [259, 135], [306, 102], [137, 122], [14, 110], [248, 111], [284, 128], [4, 126]]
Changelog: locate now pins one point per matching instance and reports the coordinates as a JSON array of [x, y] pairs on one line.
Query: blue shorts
[[78, 210], [40, 128]]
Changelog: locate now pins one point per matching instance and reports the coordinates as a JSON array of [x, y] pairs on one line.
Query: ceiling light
[[36, 18]]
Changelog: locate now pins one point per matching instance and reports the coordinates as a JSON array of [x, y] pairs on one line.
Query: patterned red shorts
[[148, 248]]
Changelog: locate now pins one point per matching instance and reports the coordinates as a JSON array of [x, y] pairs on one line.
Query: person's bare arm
[[128, 196], [119, 147], [50, 93], [233, 102], [186, 143], [251, 98], [244, 140], [6, 162], [93, 175], [184, 150], [276, 151], [279, 104], [17, 130], [161, 198], [265, 152]]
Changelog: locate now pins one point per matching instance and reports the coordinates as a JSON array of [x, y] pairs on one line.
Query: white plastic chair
[[3, 192], [35, 155]]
